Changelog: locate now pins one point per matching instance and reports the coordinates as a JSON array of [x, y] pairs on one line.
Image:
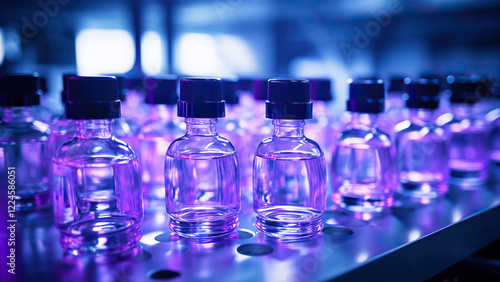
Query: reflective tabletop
[[413, 241]]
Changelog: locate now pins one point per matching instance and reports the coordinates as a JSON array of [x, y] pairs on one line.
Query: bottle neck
[[288, 127], [363, 120], [17, 114], [164, 113], [422, 116], [94, 128], [201, 126]]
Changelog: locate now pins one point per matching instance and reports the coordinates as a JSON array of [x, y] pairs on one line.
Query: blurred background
[[336, 39]]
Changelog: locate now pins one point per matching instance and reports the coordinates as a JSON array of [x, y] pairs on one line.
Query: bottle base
[[423, 189], [468, 179], [289, 222], [39, 199], [204, 222], [101, 236], [360, 204]]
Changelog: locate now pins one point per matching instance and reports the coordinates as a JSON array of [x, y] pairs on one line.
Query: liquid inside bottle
[[97, 195], [24, 146], [289, 172], [202, 182], [363, 172], [468, 147], [96, 178], [422, 156], [289, 194]]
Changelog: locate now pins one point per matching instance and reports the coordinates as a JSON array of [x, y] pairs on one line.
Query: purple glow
[[25, 146], [422, 156], [468, 153], [363, 173], [202, 186], [97, 191], [289, 183]]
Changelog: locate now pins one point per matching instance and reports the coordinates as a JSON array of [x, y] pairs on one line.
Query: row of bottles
[[98, 180]]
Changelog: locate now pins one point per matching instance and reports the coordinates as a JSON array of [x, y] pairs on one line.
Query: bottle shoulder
[[201, 146], [94, 150], [288, 147], [371, 137], [24, 131]]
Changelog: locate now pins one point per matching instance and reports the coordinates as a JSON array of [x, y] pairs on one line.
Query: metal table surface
[[412, 242]]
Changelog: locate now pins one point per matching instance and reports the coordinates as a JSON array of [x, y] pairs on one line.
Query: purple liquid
[[468, 155], [422, 164], [24, 145], [289, 194], [97, 205], [363, 176], [202, 193]]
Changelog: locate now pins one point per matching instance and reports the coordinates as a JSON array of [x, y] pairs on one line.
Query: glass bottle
[[202, 186], [155, 136], [96, 177], [467, 134], [289, 174], [364, 175], [421, 146], [24, 142]]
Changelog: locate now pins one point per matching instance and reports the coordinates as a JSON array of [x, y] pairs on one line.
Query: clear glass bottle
[[24, 141], [155, 136], [467, 134], [201, 169], [289, 174], [363, 172], [321, 127], [421, 146], [96, 177]]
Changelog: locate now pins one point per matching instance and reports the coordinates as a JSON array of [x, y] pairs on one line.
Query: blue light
[[2, 48], [151, 53]]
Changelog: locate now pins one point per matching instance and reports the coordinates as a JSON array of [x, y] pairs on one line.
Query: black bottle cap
[[92, 98], [259, 89], [468, 89], [366, 95], [200, 98], [423, 93], [161, 91], [17, 90], [321, 89], [230, 91], [288, 99]]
